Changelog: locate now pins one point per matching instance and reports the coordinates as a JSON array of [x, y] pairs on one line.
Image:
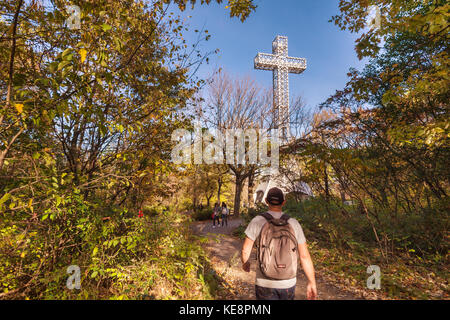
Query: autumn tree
[[237, 104], [85, 123]]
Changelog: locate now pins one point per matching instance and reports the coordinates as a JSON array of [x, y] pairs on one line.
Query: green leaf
[[68, 57], [106, 27], [5, 198], [53, 66], [131, 246], [63, 64], [66, 52]]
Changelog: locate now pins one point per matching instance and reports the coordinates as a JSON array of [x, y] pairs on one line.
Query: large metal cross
[[281, 64]]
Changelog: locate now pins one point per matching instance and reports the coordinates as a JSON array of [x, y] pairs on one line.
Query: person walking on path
[[216, 215], [278, 239], [225, 213]]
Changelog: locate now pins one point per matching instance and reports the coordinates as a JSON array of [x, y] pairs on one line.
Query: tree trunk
[[342, 196], [219, 188], [208, 200], [194, 197], [327, 188], [10, 87], [237, 194], [250, 190]]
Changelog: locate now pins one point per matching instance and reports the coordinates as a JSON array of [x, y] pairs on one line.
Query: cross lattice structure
[[281, 64]]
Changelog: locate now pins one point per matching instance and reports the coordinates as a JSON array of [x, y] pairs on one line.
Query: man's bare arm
[[245, 254], [308, 268]]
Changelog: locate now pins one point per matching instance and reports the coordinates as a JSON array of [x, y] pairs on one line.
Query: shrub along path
[[224, 251]]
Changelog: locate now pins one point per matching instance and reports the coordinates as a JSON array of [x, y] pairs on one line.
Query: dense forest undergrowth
[[125, 255]]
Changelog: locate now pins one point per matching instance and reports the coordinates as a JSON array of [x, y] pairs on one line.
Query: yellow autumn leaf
[[83, 54], [19, 107], [22, 255]]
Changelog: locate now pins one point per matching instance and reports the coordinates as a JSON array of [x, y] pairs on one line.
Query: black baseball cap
[[275, 196]]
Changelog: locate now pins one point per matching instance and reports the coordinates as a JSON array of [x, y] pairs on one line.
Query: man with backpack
[[279, 241]]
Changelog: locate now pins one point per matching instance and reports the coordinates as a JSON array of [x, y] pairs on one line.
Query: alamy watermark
[[373, 17], [374, 281], [74, 281], [74, 20], [229, 146]]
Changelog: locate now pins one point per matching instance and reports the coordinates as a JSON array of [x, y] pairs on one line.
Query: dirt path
[[224, 250]]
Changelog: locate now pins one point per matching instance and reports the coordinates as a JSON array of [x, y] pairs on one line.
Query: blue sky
[[328, 50]]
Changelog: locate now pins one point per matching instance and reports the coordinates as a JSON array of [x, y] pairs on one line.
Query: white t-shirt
[[252, 232]]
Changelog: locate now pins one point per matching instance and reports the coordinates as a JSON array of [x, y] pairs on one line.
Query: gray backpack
[[277, 248]]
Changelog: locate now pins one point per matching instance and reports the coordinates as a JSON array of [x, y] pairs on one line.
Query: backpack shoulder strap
[[283, 220], [267, 216]]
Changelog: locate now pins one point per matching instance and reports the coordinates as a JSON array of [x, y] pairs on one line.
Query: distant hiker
[[278, 238], [224, 213], [216, 215]]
